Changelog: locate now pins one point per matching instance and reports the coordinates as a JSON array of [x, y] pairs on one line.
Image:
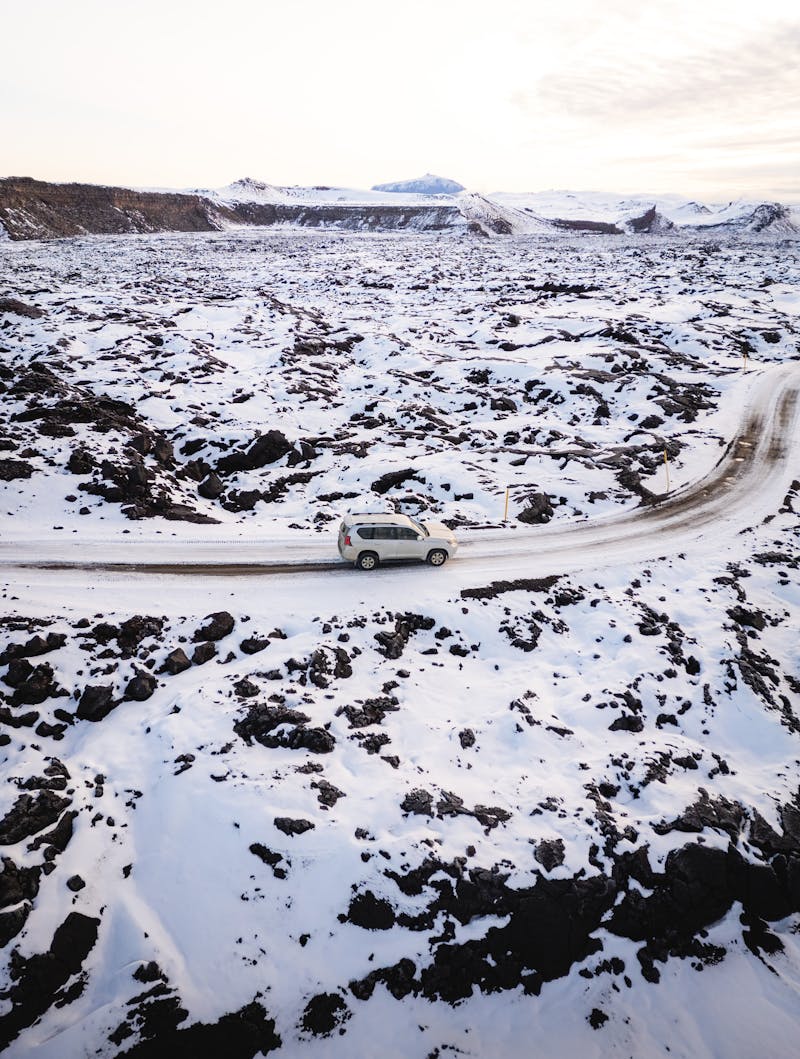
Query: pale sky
[[697, 97]]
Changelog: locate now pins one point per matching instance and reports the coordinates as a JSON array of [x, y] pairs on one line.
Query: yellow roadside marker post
[[505, 513], [744, 359], [666, 466]]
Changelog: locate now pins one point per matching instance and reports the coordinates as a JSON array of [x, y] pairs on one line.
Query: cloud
[[761, 74]]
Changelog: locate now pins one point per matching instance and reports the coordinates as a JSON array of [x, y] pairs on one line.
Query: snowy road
[[747, 484]]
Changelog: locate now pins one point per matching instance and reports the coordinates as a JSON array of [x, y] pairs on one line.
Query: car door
[[408, 544], [385, 542]]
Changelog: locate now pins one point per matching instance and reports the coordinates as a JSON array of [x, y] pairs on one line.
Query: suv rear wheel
[[367, 561], [437, 557]]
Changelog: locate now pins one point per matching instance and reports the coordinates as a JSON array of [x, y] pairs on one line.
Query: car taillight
[[347, 540]]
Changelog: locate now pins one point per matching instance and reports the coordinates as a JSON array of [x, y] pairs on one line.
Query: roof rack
[[375, 514]]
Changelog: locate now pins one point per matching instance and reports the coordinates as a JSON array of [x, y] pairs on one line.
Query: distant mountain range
[[32, 209]]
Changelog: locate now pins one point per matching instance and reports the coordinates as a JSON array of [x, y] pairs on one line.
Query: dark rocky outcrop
[[135, 630], [323, 1014], [17, 884], [175, 662], [265, 449], [18, 308], [552, 925], [522, 584], [96, 702], [241, 1034], [549, 853], [254, 644], [419, 802], [18, 887], [35, 646], [33, 209], [291, 826], [392, 644], [11, 470], [140, 687], [371, 912], [392, 479], [211, 487], [651, 222], [29, 815], [595, 227], [203, 653], [218, 625], [270, 726], [538, 509], [324, 664], [38, 978], [31, 684]]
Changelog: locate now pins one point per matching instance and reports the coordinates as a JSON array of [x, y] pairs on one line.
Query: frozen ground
[[442, 369], [419, 813]]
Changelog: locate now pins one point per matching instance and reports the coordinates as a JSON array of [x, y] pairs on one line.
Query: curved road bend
[[748, 483]]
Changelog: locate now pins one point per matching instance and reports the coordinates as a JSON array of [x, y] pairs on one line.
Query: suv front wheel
[[367, 561], [437, 557]]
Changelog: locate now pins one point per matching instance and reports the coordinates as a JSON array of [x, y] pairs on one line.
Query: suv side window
[[384, 533], [366, 532], [405, 534]]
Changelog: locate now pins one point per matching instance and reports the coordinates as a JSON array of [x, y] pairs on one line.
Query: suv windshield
[[418, 526]]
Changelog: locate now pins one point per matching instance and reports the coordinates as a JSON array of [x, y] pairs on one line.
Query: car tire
[[367, 561], [437, 557]]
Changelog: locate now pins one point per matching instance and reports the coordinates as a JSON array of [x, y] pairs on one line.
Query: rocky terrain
[[269, 376], [32, 209], [320, 814]]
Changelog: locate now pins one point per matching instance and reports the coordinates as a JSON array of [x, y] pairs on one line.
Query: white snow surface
[[475, 365]]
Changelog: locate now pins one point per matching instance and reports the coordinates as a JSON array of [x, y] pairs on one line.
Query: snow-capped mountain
[[424, 185]]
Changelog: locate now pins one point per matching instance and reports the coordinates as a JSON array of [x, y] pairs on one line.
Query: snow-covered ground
[[685, 214], [420, 812]]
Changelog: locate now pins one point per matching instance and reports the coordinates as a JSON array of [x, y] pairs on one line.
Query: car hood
[[438, 529]]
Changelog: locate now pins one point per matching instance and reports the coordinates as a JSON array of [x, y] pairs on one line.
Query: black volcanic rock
[[13, 305], [96, 702], [11, 470], [38, 978], [292, 827], [538, 509], [323, 1014], [211, 487], [392, 479], [175, 662], [266, 448], [141, 687], [30, 814], [240, 1034], [218, 624], [36, 645], [371, 912]]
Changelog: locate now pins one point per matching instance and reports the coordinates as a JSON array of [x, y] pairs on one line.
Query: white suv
[[368, 540]]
